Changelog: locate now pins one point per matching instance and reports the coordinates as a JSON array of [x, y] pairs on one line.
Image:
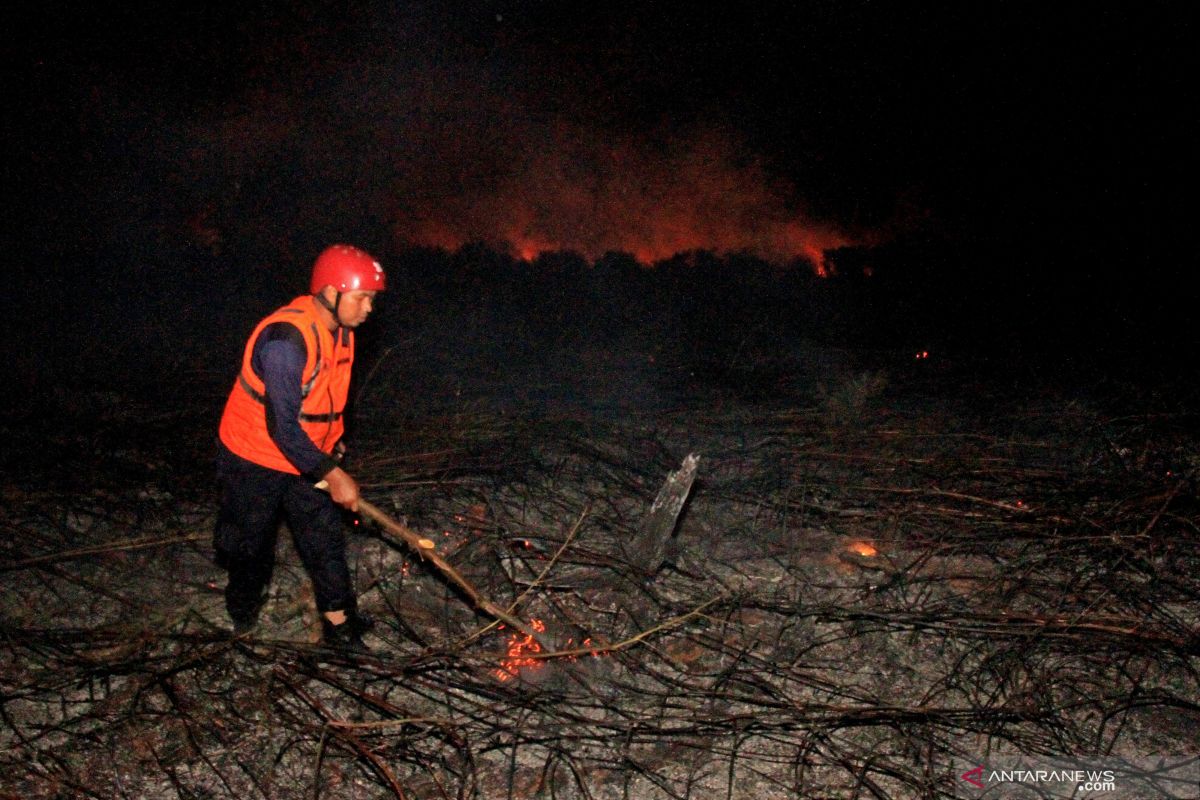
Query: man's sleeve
[[279, 356]]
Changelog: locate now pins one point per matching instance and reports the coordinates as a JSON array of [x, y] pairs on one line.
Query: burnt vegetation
[[889, 567]]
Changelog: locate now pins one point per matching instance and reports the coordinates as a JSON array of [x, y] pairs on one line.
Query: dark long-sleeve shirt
[[278, 358]]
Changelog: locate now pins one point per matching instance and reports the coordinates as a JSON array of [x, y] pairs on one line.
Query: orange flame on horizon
[[652, 200]]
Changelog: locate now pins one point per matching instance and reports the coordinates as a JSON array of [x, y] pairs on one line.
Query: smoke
[[567, 187], [452, 144]]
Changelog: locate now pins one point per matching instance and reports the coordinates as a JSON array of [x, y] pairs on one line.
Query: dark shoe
[[247, 621], [348, 635]]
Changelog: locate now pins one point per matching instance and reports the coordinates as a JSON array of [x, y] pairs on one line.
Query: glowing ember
[[863, 549], [520, 648], [474, 518]]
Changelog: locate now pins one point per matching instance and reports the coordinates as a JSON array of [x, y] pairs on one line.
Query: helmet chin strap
[[332, 308]]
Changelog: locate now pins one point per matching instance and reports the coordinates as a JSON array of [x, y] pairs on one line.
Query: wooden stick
[[422, 547]]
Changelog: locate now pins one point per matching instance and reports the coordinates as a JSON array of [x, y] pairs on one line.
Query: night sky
[[1038, 150]]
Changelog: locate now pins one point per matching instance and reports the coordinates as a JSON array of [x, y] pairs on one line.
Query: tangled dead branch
[[845, 611]]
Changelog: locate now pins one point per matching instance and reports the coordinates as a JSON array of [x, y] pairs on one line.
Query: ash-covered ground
[[891, 570]]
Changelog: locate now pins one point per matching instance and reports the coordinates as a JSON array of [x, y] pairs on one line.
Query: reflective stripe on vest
[[262, 398]]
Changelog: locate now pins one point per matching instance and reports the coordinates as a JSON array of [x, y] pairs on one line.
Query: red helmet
[[346, 269]]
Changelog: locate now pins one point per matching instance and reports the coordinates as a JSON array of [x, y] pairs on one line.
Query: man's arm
[[279, 357]]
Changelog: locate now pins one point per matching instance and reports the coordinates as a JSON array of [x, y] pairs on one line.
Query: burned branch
[[852, 610]]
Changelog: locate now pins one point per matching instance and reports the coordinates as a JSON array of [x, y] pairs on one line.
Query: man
[[281, 433]]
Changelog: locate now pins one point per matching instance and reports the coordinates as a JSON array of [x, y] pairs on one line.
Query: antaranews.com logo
[[1066, 777], [1085, 780]]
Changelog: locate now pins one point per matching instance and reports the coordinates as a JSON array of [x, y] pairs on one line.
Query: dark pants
[[252, 498]]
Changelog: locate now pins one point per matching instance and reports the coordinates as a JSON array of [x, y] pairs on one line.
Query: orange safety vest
[[323, 394]]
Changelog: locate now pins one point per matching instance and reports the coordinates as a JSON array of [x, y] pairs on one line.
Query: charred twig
[[113, 547], [781, 664]]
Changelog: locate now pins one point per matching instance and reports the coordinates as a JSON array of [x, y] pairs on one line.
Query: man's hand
[[342, 488]]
